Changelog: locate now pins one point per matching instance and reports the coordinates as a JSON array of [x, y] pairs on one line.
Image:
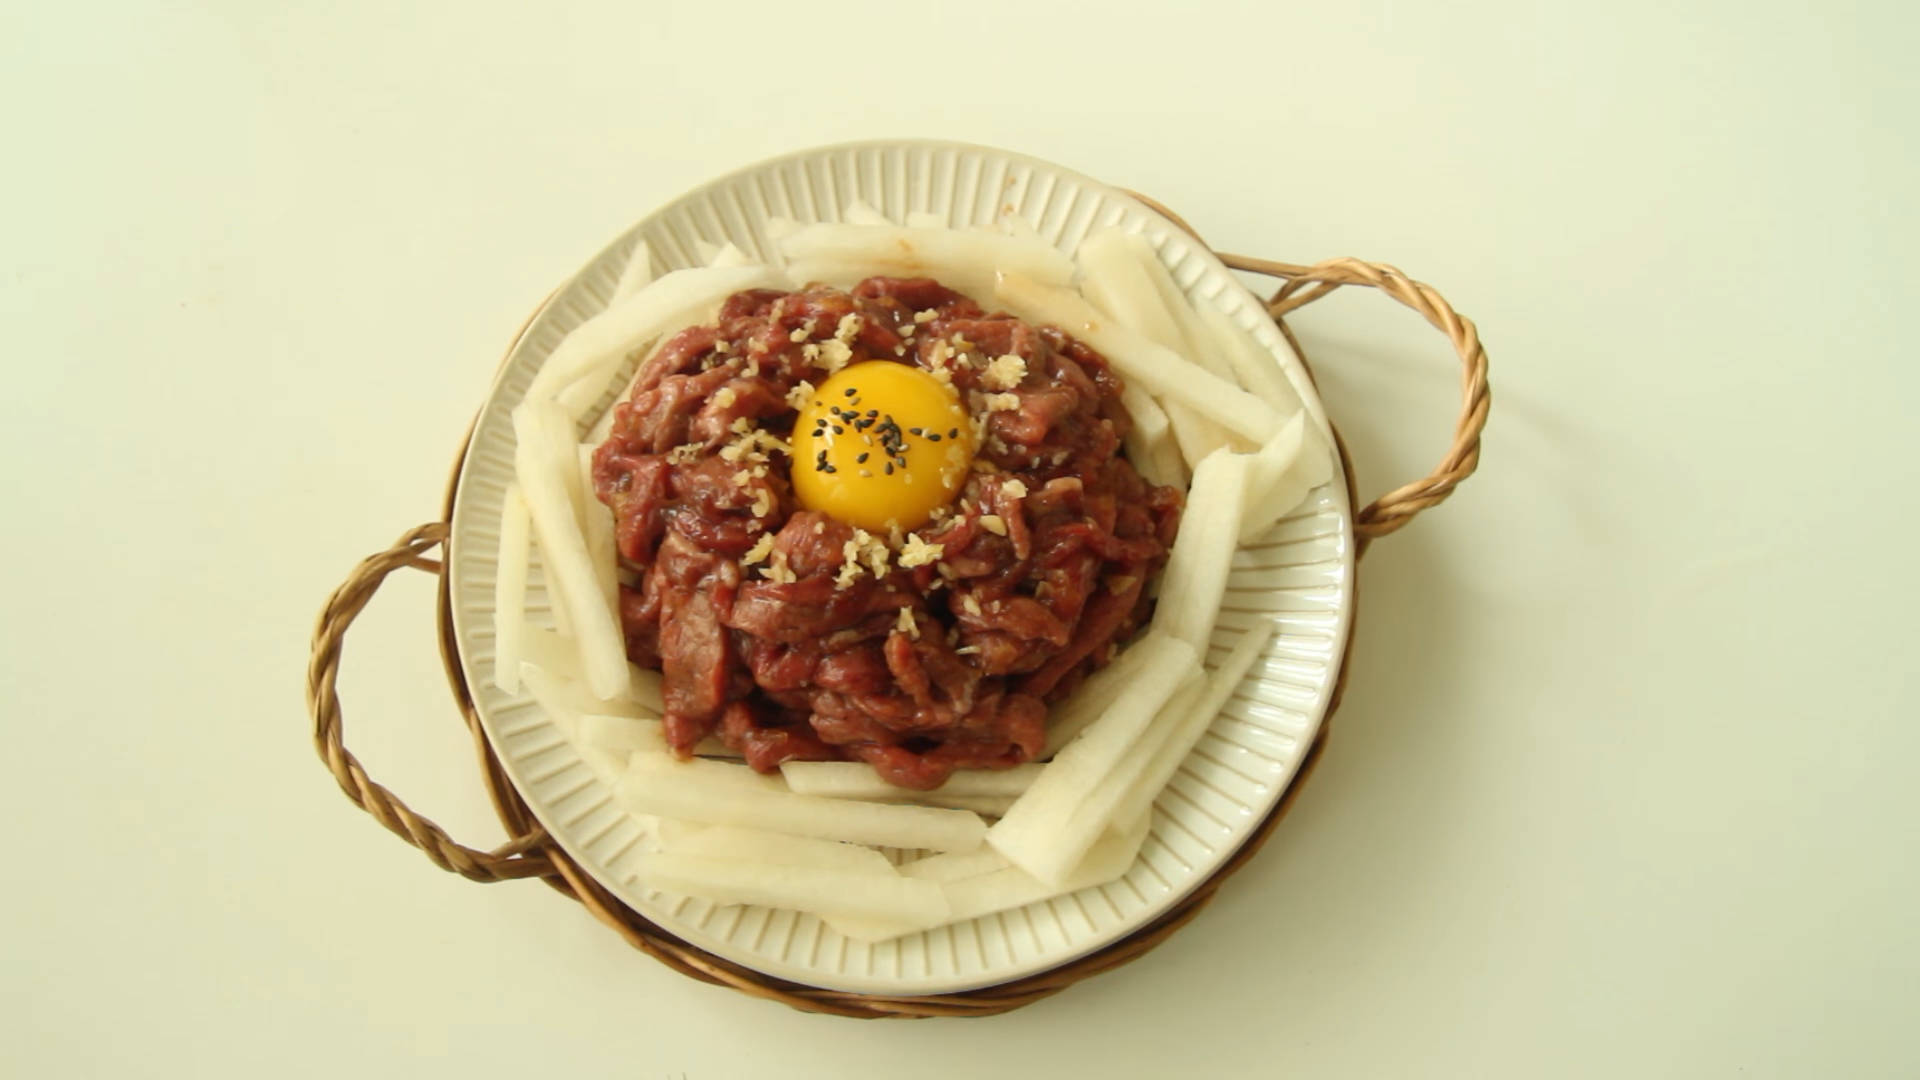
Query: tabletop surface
[[1622, 784]]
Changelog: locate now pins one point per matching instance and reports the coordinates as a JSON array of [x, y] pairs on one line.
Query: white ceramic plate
[[1299, 577]]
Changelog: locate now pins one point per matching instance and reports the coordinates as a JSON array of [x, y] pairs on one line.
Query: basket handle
[[1305, 284], [517, 858]]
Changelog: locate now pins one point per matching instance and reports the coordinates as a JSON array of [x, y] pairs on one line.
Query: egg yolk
[[881, 444]]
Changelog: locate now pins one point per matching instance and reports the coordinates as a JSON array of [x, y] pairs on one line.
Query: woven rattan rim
[[531, 853]]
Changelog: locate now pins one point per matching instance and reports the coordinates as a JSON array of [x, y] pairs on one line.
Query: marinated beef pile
[[790, 635]]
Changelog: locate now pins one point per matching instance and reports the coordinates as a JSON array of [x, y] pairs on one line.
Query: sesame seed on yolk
[[866, 450]]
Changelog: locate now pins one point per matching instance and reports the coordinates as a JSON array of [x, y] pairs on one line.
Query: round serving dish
[[1300, 577]]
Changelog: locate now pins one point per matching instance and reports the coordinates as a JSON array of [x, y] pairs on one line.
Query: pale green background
[[1624, 784]]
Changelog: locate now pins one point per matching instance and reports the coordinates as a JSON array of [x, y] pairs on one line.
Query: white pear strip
[[956, 865], [562, 622], [1272, 461], [597, 526], [577, 397], [1196, 575], [1100, 690], [637, 274], [672, 303], [1021, 228], [559, 657], [1294, 462], [551, 431], [1193, 434], [982, 883], [1186, 731], [1067, 845], [732, 774], [800, 888], [1003, 890], [1150, 444], [684, 793], [566, 701], [1051, 851], [779, 227], [550, 651], [992, 806], [603, 426], [608, 765], [861, 212], [621, 734], [668, 832], [1026, 834], [1114, 279], [510, 589], [1252, 364], [777, 849], [1202, 349], [857, 780], [925, 219], [935, 252], [973, 281], [730, 255], [704, 250], [543, 480], [1155, 367]]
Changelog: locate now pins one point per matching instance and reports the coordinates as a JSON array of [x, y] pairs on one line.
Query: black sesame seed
[[915, 431], [850, 391], [889, 468], [933, 436], [953, 433], [862, 459], [838, 430], [872, 413]]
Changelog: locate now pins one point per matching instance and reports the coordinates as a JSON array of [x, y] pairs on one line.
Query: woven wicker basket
[[531, 853]]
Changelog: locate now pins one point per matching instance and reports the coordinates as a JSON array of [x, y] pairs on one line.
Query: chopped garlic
[[917, 552], [994, 524], [1004, 372], [834, 355], [797, 397], [777, 571], [759, 551]]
